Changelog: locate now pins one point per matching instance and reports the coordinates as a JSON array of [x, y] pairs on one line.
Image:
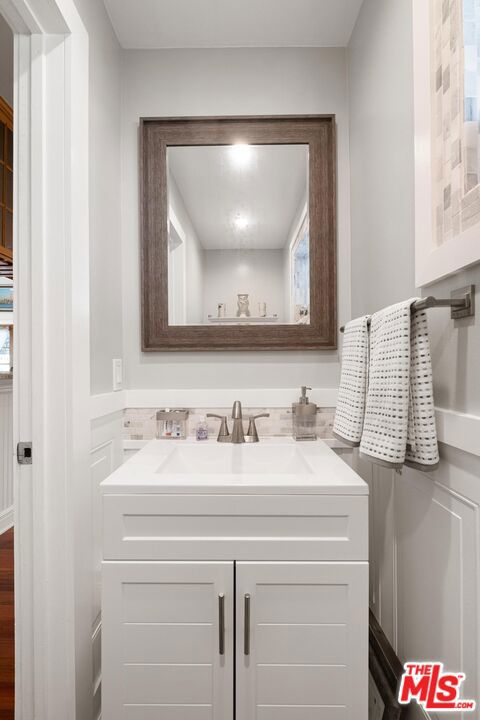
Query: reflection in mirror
[[238, 242]]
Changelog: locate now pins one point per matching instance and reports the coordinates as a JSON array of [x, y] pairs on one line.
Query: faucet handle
[[252, 434], [223, 433]]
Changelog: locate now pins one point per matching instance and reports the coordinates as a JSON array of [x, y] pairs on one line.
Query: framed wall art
[[447, 137]]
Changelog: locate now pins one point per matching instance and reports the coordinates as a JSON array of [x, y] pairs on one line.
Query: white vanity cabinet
[[170, 630], [235, 603]]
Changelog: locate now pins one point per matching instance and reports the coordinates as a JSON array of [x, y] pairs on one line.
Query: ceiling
[[241, 196], [146, 24]]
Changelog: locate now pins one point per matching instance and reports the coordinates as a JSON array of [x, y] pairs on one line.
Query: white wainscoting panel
[[106, 455], [382, 555], [6, 457], [437, 550], [425, 562]]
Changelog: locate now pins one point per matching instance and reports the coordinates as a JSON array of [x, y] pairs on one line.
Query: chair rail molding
[[109, 403], [459, 430]]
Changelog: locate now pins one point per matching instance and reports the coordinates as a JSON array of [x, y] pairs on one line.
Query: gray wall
[[105, 243], [229, 82], [419, 522], [380, 66], [6, 62], [381, 155]]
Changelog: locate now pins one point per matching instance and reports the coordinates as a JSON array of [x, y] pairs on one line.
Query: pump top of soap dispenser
[[303, 399]]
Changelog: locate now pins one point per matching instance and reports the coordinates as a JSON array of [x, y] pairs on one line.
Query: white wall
[[381, 156], [228, 82], [6, 62], [259, 273], [6, 455], [105, 239], [424, 527]]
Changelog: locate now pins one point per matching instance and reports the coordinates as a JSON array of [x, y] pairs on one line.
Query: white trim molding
[[459, 430], [109, 403], [51, 385], [224, 397]]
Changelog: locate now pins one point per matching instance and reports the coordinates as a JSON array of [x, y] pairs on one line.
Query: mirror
[[238, 233], [238, 243]]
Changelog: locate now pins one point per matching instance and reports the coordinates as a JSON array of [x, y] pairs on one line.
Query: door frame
[[51, 390]]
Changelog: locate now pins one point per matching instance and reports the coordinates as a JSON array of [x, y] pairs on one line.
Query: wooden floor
[[7, 646]]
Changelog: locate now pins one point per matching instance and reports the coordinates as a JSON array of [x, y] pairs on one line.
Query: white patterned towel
[[399, 424], [352, 394]]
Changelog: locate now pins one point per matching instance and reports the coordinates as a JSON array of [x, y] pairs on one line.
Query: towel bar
[[462, 303]]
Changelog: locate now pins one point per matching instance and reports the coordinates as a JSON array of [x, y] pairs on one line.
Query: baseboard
[[6, 519]]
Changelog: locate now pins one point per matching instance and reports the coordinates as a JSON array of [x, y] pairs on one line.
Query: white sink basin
[[274, 465], [229, 459]]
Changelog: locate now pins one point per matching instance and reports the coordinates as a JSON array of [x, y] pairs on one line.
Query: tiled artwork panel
[[455, 116]]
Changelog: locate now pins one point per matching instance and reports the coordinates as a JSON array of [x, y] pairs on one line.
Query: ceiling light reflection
[[241, 154], [240, 222]]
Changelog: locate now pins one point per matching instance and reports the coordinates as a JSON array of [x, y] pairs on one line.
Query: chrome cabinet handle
[[246, 625], [221, 624]]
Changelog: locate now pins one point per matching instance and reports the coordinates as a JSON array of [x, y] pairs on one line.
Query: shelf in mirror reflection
[[243, 320]]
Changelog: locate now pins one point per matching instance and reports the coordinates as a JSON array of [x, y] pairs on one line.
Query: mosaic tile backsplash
[[141, 424]]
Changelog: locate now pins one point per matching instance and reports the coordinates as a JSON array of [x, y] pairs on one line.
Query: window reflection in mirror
[[238, 241], [300, 274]]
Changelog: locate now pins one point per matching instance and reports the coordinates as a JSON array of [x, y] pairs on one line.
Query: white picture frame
[[432, 260]]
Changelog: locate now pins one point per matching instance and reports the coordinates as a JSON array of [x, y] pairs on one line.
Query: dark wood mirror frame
[[156, 134]]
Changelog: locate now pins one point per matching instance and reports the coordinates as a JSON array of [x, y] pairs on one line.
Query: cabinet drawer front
[[225, 527]]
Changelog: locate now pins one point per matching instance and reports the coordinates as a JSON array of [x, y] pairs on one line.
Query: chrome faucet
[[237, 432]]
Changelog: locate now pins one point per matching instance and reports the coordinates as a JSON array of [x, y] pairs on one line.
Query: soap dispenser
[[304, 415]]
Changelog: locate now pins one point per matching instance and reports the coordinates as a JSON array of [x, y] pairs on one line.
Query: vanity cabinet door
[[302, 641], [167, 641]]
